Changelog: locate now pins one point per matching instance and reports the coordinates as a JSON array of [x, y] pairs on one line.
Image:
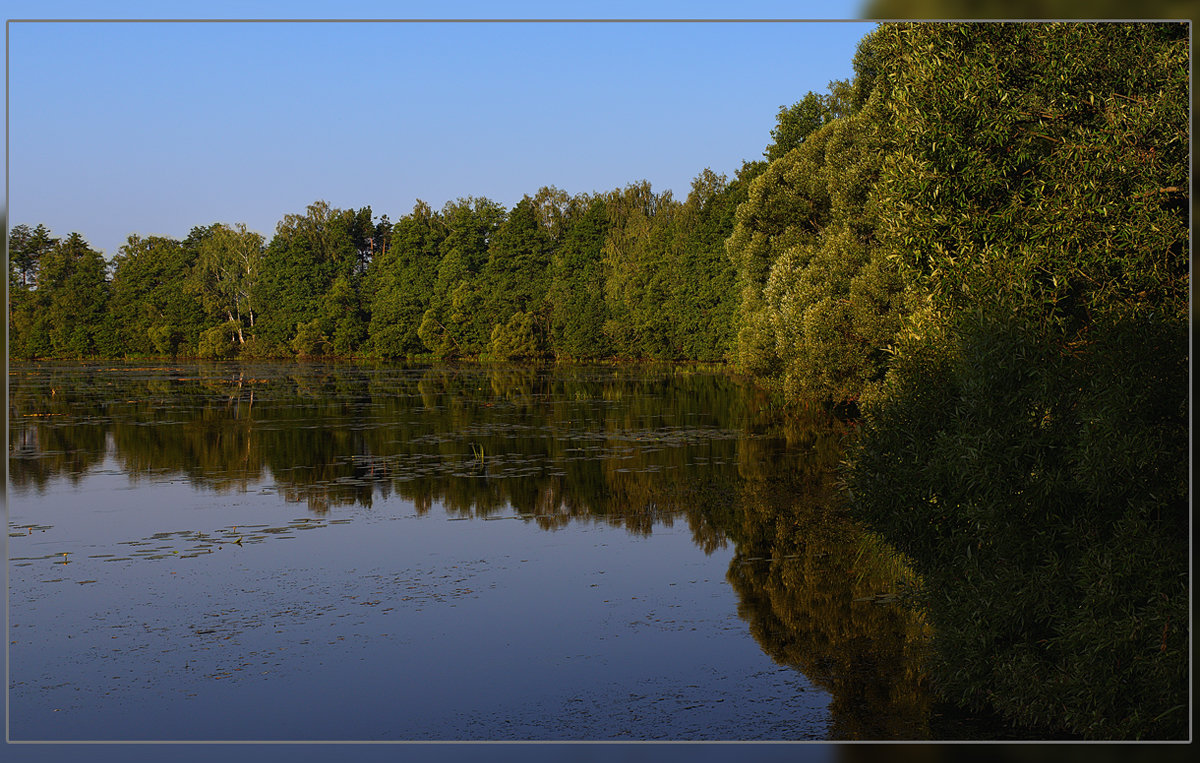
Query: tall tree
[[515, 277], [578, 311], [28, 332], [152, 303], [455, 324], [70, 300], [227, 273], [553, 207], [300, 265], [636, 271], [402, 279], [795, 123], [703, 299], [26, 247]]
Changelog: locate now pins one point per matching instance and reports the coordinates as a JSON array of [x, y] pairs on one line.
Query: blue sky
[[119, 128]]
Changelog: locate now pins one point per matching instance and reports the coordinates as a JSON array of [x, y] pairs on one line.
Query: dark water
[[337, 552]]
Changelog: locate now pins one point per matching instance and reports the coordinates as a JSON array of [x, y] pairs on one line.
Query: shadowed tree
[[1029, 450]]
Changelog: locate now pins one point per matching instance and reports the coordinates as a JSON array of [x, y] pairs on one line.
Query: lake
[[291, 551]]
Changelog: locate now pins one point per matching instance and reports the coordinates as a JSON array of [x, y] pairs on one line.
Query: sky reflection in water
[[286, 551]]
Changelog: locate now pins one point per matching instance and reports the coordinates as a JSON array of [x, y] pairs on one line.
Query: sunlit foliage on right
[[1028, 449]]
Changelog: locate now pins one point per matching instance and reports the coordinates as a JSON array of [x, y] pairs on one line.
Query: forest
[[979, 246]]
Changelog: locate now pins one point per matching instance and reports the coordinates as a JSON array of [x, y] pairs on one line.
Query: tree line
[[981, 240], [630, 273]]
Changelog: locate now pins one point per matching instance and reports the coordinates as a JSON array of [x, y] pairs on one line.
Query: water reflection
[[636, 449], [823, 595]]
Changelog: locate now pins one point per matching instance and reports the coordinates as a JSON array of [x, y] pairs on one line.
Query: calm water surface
[[338, 552]]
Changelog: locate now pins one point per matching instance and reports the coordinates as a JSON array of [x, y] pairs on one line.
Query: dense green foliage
[[820, 301], [65, 313], [400, 282], [152, 302], [578, 310], [630, 272], [982, 240], [1029, 447]]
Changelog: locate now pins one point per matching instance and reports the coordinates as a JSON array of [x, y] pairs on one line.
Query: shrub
[[218, 342], [1029, 446], [1043, 497], [165, 338], [515, 339], [310, 341]]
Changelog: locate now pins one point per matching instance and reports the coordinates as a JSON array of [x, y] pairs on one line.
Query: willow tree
[[1029, 450], [820, 301]]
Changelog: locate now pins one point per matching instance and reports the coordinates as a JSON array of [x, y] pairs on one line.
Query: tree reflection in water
[[823, 595], [637, 449]]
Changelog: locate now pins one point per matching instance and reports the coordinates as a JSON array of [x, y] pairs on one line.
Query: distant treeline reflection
[[633, 449], [576, 443]]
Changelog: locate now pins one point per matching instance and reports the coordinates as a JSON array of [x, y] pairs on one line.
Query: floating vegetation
[[206, 585]]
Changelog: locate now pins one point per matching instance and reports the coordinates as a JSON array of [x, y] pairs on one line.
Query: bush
[[1043, 497], [257, 348], [1028, 449], [219, 342], [310, 341], [514, 340], [165, 338]]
